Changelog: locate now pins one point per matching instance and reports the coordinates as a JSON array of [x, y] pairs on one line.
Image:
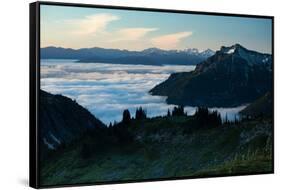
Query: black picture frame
[[34, 87]]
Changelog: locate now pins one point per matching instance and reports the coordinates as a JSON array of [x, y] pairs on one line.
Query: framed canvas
[[122, 94]]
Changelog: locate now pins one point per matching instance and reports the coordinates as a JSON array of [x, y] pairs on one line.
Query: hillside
[[62, 120], [165, 147], [262, 106], [150, 56], [232, 76]]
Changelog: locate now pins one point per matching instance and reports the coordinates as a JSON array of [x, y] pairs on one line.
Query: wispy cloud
[[92, 24], [95, 31], [132, 34], [170, 41]]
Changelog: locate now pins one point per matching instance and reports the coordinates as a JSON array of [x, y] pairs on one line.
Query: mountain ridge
[[62, 120], [263, 106], [150, 56], [231, 77]]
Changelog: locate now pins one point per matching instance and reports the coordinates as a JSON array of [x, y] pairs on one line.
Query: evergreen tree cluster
[[116, 134], [140, 114], [206, 118], [177, 111], [102, 138]]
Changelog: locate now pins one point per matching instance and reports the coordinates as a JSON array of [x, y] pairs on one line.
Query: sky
[[80, 27]]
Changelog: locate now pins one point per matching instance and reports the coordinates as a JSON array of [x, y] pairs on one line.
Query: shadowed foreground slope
[[165, 147], [61, 121]]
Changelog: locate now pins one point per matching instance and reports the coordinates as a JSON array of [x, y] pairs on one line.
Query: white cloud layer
[[107, 89]]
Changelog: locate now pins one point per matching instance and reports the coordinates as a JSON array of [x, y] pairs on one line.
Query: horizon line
[[188, 48]]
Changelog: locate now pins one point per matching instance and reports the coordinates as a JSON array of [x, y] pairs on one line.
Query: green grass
[[165, 148], [256, 162]]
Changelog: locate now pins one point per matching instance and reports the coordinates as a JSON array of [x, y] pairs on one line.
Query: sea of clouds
[[107, 89]]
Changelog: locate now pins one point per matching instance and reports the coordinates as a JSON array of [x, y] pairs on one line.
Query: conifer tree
[[126, 116]]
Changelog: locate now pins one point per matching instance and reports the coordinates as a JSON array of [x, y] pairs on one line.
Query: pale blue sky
[[79, 27]]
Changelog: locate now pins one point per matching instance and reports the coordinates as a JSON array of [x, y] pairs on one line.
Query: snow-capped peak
[[230, 51], [192, 51], [153, 50], [189, 51], [250, 56], [207, 53]]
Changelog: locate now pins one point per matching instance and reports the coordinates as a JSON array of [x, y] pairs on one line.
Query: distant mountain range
[[232, 76], [62, 120], [150, 56]]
